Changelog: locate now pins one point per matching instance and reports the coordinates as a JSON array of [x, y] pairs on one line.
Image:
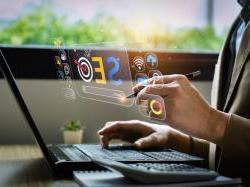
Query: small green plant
[[72, 126]]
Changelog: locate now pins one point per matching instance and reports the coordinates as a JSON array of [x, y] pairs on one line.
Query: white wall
[[51, 111]]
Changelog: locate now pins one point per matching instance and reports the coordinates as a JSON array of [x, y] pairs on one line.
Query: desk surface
[[23, 166]]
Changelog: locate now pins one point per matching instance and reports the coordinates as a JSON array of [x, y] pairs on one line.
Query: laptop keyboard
[[120, 153], [68, 152], [74, 154]]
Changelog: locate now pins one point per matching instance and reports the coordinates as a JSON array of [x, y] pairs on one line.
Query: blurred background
[[196, 25]]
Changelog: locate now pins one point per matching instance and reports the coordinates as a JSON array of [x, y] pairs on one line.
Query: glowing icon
[[85, 69], [155, 74], [151, 61], [63, 55], [66, 68], [139, 64], [58, 62], [60, 75], [153, 107], [116, 68], [141, 78], [156, 107]]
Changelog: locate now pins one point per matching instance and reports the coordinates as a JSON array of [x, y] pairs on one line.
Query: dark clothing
[[232, 49]]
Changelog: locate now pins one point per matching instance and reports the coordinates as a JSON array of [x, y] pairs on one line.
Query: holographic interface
[[153, 107], [102, 75], [63, 72], [144, 66]]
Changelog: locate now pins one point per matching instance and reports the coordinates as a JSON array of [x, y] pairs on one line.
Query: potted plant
[[73, 133]]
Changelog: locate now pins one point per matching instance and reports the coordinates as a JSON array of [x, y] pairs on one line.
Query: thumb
[[150, 141], [154, 140]]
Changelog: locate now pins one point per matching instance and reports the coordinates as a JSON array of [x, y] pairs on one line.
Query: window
[[196, 25]]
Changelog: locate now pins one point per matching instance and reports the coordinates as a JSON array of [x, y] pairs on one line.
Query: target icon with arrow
[[85, 69]]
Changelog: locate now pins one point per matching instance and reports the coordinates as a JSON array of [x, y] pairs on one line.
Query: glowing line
[[103, 92]]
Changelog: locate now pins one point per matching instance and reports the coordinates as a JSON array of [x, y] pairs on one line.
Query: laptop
[[63, 159]]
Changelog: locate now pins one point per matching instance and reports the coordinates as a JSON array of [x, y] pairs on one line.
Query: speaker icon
[[139, 64]]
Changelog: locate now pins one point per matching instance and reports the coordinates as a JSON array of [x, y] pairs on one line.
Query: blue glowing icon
[[141, 78], [115, 69], [151, 61]]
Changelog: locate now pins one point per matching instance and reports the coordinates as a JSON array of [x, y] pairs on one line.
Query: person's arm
[[145, 135], [186, 109], [200, 148], [188, 144], [235, 155]]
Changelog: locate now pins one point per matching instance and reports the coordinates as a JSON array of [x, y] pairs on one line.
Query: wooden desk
[[23, 166]]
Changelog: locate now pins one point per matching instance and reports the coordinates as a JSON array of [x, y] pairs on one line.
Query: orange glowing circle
[[156, 110]]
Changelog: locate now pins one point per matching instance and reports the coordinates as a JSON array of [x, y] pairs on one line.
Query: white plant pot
[[73, 137]]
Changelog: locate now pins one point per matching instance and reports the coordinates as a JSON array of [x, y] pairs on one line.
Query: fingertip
[[99, 132], [137, 145], [103, 131], [105, 146], [135, 89], [104, 142], [101, 141]]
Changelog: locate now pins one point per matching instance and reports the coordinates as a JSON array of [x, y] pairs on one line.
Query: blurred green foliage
[[42, 26], [72, 126]]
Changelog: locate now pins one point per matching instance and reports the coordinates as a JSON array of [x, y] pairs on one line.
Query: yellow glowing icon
[[156, 107], [58, 62]]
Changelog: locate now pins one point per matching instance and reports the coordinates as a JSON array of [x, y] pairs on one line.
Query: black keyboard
[[127, 153], [65, 152]]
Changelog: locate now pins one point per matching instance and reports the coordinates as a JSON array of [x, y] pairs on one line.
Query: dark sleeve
[[235, 154], [200, 148]]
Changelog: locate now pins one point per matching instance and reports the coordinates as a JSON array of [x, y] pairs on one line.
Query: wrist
[[178, 141], [217, 122]]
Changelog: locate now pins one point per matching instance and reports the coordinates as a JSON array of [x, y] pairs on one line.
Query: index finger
[[114, 127]]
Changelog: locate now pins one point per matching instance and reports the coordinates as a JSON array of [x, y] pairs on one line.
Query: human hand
[[143, 135], [186, 110]]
